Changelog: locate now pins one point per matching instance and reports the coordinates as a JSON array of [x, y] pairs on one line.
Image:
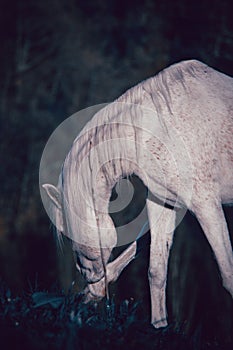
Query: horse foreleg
[[162, 225], [212, 220], [115, 267]]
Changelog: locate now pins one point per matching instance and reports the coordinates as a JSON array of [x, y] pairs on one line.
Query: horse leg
[[115, 267], [212, 220], [162, 225]]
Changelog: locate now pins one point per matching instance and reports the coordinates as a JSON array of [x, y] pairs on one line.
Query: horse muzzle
[[96, 287]]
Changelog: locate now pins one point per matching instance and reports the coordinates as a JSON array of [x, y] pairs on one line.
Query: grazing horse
[[174, 131]]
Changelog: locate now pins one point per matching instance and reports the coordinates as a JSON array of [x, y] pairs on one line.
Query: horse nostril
[[92, 277], [95, 291]]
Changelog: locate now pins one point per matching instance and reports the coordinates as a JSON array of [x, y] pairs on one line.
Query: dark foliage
[[54, 320]]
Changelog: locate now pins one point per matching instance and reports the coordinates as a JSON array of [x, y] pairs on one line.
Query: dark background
[[59, 56]]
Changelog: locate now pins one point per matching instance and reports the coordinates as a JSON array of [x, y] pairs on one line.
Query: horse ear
[[56, 209], [54, 194]]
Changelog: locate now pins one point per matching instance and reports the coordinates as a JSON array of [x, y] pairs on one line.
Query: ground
[[52, 320]]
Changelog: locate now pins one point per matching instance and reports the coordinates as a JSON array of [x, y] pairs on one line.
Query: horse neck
[[124, 160], [112, 146]]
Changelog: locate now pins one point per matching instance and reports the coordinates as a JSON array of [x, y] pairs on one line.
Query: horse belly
[[225, 143], [227, 187], [226, 176]]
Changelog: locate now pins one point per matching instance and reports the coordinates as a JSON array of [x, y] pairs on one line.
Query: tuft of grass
[[54, 320]]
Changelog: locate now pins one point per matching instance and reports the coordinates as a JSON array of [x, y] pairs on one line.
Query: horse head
[[92, 251]]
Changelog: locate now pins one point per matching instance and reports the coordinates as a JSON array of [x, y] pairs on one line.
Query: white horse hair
[[174, 131]]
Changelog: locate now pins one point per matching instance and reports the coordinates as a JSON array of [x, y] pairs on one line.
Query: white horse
[[174, 131]]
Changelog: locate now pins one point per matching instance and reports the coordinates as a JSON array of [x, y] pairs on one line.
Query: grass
[[52, 320]]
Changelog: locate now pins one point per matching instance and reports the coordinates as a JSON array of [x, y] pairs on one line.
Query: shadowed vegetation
[[53, 320]]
